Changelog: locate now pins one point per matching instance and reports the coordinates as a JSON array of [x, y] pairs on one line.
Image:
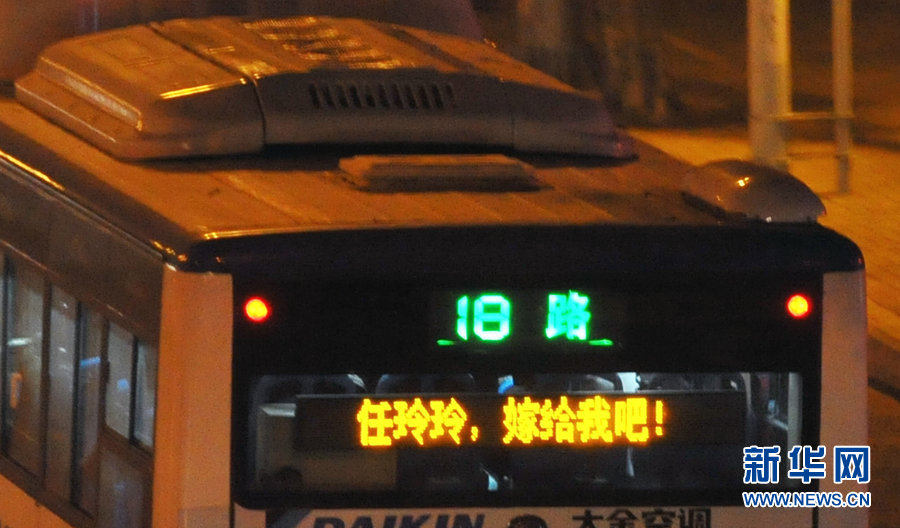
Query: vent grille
[[382, 96]]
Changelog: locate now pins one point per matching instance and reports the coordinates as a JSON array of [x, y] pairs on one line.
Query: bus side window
[[65, 371], [120, 354], [131, 388], [3, 381], [125, 497], [87, 417], [124, 472], [24, 358], [63, 364], [145, 394]]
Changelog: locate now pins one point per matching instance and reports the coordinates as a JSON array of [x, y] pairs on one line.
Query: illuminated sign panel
[[547, 317], [594, 420], [518, 422], [499, 391]]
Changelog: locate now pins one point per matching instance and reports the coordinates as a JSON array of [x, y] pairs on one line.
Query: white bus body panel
[[191, 485], [844, 384], [19, 510]]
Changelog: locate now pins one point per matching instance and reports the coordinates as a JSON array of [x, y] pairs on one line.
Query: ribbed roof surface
[[296, 190]]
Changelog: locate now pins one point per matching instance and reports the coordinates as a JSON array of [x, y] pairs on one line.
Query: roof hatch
[[425, 173], [193, 87]]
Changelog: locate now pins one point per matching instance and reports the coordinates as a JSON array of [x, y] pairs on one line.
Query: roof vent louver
[[194, 87], [393, 96]]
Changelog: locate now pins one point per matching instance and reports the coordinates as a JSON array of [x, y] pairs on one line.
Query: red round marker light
[[257, 310], [799, 306]]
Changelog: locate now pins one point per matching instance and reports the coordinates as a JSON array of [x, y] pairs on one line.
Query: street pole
[[545, 35], [769, 79], [842, 71]]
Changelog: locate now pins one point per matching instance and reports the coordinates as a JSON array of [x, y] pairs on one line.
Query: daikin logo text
[[460, 520]]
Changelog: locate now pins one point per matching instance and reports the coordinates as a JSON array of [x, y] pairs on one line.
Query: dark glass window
[[145, 406], [24, 358], [77, 400], [3, 380], [120, 354], [87, 425], [125, 493], [63, 360]]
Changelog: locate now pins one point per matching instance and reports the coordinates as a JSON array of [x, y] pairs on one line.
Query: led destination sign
[[520, 421], [551, 317]]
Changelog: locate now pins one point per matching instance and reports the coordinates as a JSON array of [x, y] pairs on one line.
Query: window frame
[[30, 458], [72, 327]]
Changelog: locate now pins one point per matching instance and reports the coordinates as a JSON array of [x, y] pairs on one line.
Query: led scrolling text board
[[561, 420], [522, 421]]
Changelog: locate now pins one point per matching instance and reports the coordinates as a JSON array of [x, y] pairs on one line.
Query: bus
[[327, 272]]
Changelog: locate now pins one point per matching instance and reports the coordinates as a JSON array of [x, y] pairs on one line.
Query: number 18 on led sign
[[488, 317], [489, 314]]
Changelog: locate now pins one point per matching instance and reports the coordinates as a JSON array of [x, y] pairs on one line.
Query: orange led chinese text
[[429, 422], [580, 421]]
